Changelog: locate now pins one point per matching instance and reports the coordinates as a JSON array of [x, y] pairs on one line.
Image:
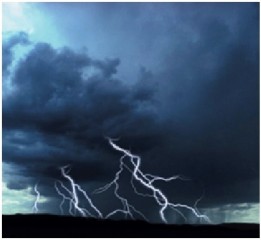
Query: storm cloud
[[192, 110]]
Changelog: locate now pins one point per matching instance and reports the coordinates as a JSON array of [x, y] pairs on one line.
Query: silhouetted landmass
[[65, 226]]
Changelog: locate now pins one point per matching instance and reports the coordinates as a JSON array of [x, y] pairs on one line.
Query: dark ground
[[59, 226]]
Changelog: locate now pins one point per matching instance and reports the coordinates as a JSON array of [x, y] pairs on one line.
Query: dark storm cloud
[[57, 116], [210, 96], [196, 114]]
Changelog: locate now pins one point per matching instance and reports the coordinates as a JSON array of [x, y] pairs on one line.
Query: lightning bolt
[[35, 207], [147, 181], [131, 163], [74, 197]]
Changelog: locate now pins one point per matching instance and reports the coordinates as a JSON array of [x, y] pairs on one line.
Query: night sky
[[176, 83]]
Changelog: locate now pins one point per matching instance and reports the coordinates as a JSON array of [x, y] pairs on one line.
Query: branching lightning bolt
[[74, 197], [146, 180], [131, 163], [35, 207]]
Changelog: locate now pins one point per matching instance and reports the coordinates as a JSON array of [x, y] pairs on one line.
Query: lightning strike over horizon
[[74, 197], [147, 181], [132, 163], [35, 207]]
